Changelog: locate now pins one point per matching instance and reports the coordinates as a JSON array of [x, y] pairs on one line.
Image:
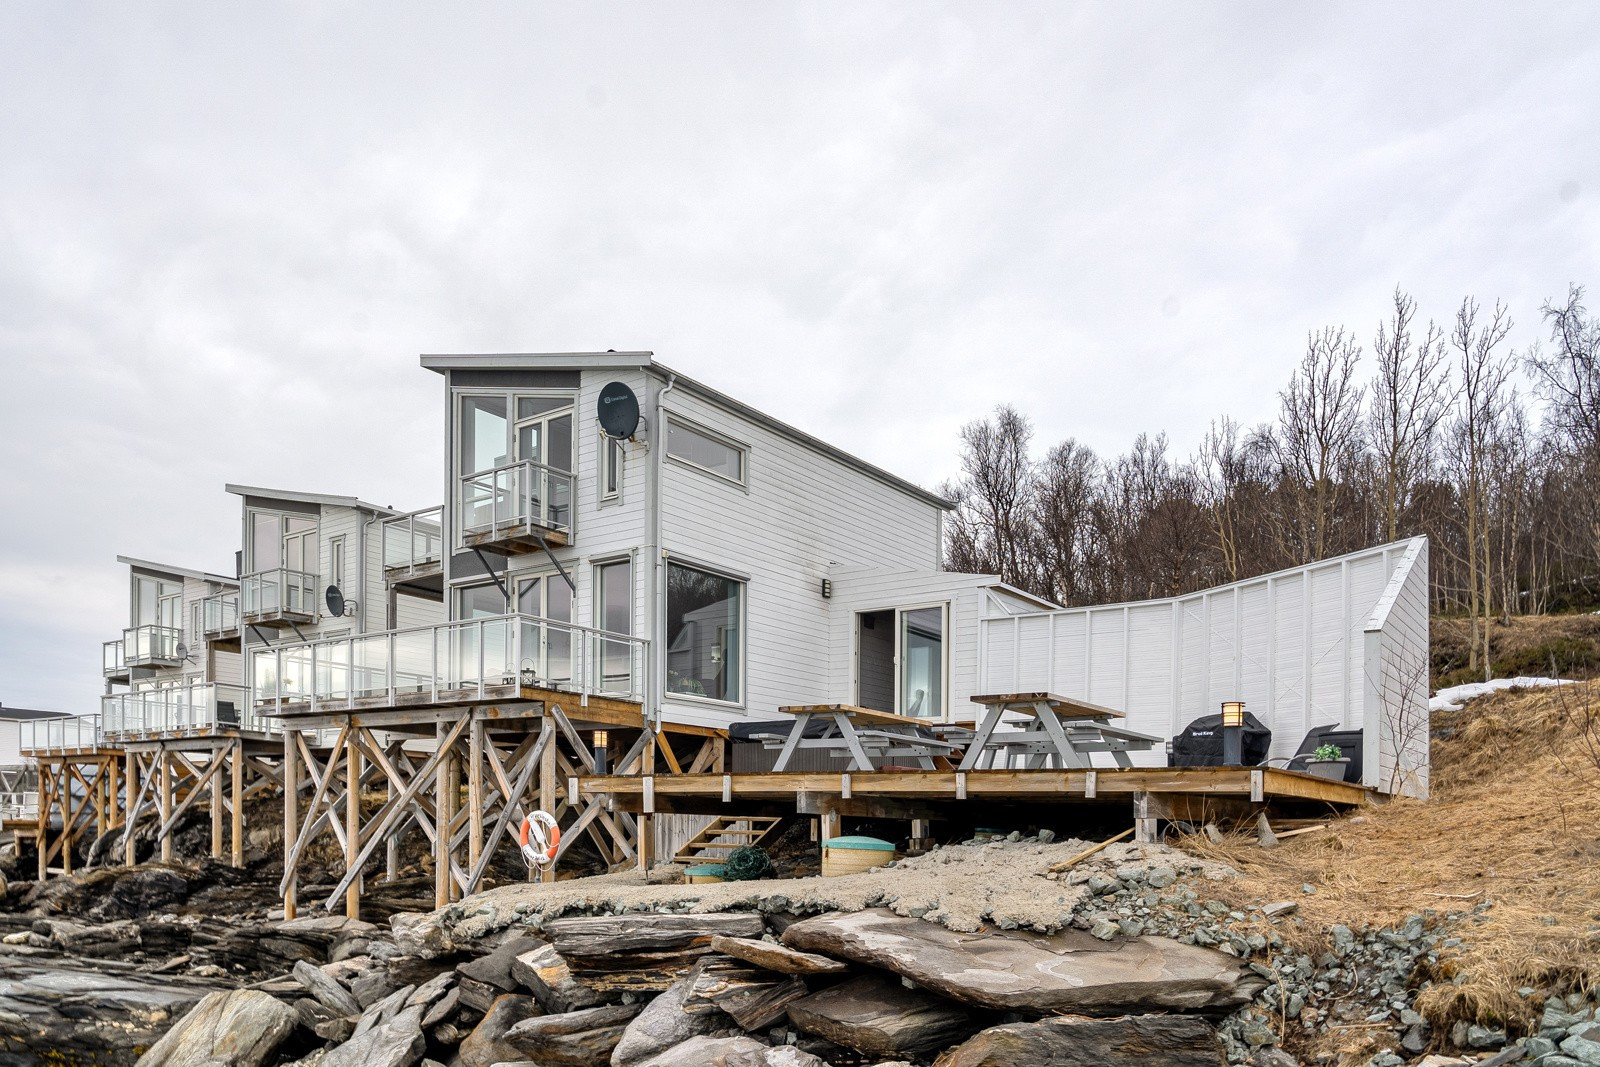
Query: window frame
[[740, 447], [744, 641], [510, 396]]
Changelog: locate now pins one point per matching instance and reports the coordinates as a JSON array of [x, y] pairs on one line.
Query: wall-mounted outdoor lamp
[[1232, 733], [601, 740]]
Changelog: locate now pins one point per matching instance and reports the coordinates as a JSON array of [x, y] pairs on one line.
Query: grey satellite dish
[[182, 651], [618, 410], [335, 601]]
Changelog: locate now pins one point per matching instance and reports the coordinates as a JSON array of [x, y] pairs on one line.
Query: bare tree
[[1319, 436], [991, 529], [1065, 487], [1483, 374], [1410, 396], [1568, 378]]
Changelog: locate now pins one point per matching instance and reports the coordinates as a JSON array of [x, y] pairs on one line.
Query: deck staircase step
[[714, 840]]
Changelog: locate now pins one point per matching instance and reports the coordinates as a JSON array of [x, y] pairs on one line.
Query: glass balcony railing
[[412, 541], [179, 710], [453, 661], [112, 662], [276, 593], [151, 646], [61, 735], [516, 498], [22, 805], [219, 614]]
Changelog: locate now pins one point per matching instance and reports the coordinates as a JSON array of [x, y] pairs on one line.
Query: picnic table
[[863, 734], [1053, 728]]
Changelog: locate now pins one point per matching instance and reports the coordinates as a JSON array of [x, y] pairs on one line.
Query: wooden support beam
[[291, 821], [236, 828], [216, 807], [442, 784], [164, 800], [352, 825], [475, 794], [130, 815]]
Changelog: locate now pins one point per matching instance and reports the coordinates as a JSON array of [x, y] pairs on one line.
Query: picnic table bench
[[1053, 728], [863, 734]]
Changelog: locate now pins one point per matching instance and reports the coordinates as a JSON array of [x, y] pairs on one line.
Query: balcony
[[113, 664], [140, 646], [199, 710], [219, 618], [412, 544], [61, 737], [278, 598], [516, 508], [506, 657]]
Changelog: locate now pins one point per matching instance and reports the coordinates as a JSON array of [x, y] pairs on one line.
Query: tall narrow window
[[705, 638], [611, 468], [336, 562], [266, 532]]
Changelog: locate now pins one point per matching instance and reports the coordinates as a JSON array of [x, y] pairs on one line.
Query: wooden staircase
[[724, 833]]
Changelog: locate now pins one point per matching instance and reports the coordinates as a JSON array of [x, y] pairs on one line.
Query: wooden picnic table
[[1055, 727], [862, 734]]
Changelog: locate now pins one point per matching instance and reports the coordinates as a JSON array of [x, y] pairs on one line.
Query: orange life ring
[[540, 839]]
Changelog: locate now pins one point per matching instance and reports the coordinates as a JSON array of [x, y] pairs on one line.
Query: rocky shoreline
[[1128, 957]]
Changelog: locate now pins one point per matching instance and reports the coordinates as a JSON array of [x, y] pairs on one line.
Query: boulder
[[754, 996], [705, 1052], [662, 1024], [495, 968], [642, 951], [775, 957], [326, 989], [420, 934], [878, 1015], [1035, 974], [1075, 1041], [487, 1044], [576, 1039], [546, 975], [776, 1056], [396, 1043], [241, 1028]]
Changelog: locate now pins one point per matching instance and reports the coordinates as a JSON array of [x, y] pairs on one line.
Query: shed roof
[[309, 498]]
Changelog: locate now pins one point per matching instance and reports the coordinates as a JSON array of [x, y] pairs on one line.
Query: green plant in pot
[[1328, 761]]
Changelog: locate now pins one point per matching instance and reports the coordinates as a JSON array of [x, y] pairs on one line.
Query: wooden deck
[[1189, 794]]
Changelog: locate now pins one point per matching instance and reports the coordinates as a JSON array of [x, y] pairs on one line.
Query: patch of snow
[[1455, 696]]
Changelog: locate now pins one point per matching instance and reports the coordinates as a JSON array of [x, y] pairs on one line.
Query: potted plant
[[1328, 761]]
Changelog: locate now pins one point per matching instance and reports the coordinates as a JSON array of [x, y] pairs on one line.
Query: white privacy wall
[[1293, 645]]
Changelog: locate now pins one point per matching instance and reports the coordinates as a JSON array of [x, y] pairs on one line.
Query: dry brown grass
[[1514, 821], [1523, 644]]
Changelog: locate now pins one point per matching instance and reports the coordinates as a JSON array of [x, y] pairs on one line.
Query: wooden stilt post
[[164, 798], [129, 813], [352, 821], [102, 802], [547, 790], [114, 792], [474, 793], [236, 753], [291, 820], [441, 824], [46, 802], [216, 806], [69, 817], [391, 844]]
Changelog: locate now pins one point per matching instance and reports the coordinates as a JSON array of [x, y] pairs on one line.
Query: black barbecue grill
[[1200, 743]]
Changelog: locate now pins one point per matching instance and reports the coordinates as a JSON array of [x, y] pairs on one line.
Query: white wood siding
[[799, 514], [1303, 648]]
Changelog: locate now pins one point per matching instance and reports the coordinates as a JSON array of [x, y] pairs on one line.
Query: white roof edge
[[1397, 581], [1410, 543], [1022, 594], [441, 363], [182, 572], [310, 498]]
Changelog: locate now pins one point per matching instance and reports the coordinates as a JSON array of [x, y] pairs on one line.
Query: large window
[[702, 449], [496, 429], [705, 634], [282, 540], [156, 601]]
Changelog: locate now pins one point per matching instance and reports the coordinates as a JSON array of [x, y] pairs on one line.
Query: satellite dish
[[335, 601], [618, 410], [182, 651]]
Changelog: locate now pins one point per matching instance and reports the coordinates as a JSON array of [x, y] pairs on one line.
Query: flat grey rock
[[1075, 1041], [487, 1044], [705, 1052], [662, 1024], [877, 1014], [396, 1043], [240, 1028], [776, 957], [324, 988], [1014, 971]]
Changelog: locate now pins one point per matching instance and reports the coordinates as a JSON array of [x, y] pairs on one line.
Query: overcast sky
[[226, 231]]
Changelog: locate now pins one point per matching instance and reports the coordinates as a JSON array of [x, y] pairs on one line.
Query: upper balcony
[[278, 598], [505, 657], [219, 617], [199, 710], [140, 646], [412, 544], [516, 508], [61, 737]]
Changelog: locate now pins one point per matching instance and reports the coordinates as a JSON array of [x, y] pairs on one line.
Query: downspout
[[361, 572], [656, 684]]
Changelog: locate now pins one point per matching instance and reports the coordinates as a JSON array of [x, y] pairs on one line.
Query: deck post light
[[601, 740], [1232, 733]]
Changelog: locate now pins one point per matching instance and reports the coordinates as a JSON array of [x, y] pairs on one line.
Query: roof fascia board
[[802, 438], [179, 572], [309, 498], [442, 364]]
